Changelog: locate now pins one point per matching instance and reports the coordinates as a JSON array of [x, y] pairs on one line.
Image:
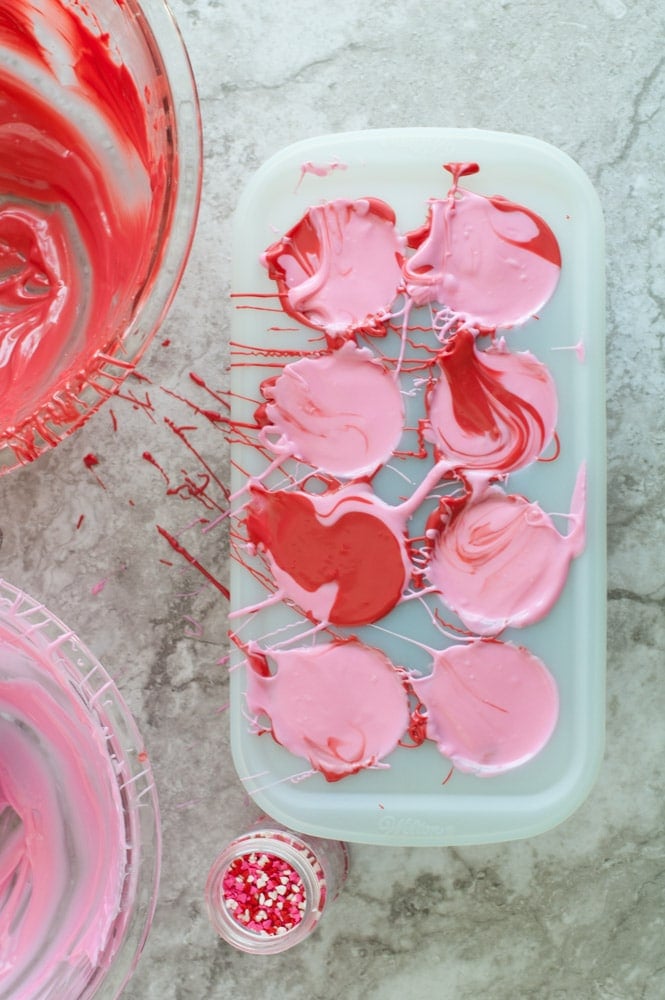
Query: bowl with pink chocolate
[[79, 820], [100, 172]]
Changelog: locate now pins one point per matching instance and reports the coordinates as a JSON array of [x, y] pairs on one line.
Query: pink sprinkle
[[250, 885]]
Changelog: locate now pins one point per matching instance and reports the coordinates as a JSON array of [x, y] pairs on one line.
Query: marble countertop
[[578, 911]]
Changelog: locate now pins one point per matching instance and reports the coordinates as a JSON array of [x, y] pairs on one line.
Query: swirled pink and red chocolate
[[344, 557]]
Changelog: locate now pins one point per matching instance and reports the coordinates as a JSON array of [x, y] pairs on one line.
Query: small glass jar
[[269, 887]]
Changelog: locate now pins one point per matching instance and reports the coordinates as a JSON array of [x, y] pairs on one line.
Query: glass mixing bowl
[[79, 822], [100, 179]]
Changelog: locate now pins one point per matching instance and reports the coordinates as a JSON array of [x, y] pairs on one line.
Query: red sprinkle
[[90, 460], [264, 894]]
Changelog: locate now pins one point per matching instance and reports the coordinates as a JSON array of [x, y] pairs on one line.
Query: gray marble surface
[[576, 912]]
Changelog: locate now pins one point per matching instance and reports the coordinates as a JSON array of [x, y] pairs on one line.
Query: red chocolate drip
[[180, 432], [181, 550]]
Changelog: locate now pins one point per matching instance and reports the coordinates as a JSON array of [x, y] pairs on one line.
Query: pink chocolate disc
[[499, 561], [489, 706], [343, 705], [491, 262], [325, 410], [339, 268]]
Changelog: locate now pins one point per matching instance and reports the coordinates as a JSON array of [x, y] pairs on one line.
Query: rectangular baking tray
[[411, 803]]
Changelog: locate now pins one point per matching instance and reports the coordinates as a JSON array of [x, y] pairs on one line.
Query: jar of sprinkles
[[269, 887]]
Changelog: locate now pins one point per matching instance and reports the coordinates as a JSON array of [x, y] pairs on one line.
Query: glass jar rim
[[288, 847]]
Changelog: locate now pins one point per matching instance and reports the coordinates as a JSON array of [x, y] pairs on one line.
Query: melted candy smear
[[80, 183], [317, 534], [62, 833]]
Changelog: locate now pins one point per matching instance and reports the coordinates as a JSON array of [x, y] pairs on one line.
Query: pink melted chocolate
[[342, 705], [489, 706], [80, 184], [62, 831], [343, 556], [499, 561], [323, 411], [490, 262], [339, 268]]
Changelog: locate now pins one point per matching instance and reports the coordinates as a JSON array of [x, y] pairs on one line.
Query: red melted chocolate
[[492, 410], [82, 187], [358, 553]]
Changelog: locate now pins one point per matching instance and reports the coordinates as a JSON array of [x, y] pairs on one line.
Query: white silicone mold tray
[[416, 800]]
